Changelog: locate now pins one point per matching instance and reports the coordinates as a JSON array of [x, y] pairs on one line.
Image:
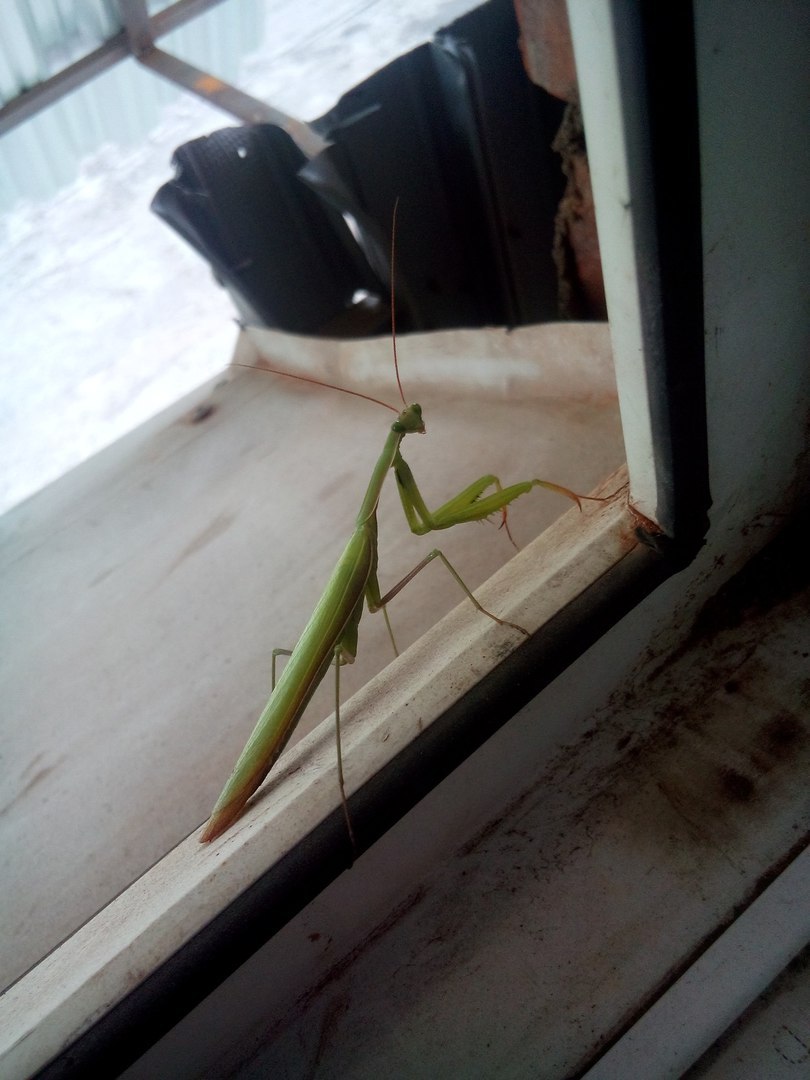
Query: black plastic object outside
[[287, 258], [454, 129]]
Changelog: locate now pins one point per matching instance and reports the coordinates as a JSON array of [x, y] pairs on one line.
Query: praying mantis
[[330, 636]]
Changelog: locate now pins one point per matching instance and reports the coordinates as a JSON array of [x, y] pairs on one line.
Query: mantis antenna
[[343, 389], [393, 299]]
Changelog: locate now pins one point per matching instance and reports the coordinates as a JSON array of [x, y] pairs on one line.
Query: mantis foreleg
[[471, 504], [341, 783]]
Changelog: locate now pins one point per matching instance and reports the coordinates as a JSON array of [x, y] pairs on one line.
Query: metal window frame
[[136, 40], [646, 179]]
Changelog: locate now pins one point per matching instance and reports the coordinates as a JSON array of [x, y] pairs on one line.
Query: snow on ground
[[106, 317]]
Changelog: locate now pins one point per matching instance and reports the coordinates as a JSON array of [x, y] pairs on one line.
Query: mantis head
[[410, 421]]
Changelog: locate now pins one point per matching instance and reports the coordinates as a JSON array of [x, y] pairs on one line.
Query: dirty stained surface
[[773, 1033], [543, 935]]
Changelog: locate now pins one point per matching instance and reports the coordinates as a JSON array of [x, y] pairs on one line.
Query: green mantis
[[330, 636]]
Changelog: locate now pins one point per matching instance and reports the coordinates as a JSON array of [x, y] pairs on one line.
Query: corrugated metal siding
[[40, 37]]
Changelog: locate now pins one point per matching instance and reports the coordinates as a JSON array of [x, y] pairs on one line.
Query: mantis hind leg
[[389, 628], [341, 782]]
